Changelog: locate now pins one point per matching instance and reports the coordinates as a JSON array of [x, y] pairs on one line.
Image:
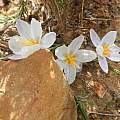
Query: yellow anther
[[30, 42], [70, 59], [106, 49]]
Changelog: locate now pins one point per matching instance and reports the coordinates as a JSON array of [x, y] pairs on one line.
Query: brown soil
[[110, 103]]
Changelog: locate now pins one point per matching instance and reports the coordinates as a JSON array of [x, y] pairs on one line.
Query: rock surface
[[35, 89]]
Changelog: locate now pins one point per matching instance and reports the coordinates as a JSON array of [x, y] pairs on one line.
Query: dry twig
[[106, 114]]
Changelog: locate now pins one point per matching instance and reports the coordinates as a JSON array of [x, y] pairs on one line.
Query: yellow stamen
[[30, 42], [106, 50], [70, 59]]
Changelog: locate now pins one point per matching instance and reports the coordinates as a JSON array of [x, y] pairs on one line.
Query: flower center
[[30, 42], [70, 59], [106, 50]]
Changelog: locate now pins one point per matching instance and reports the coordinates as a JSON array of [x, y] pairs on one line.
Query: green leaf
[[81, 108], [116, 71]]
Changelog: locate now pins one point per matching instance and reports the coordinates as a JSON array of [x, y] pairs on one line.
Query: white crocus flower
[[70, 58], [105, 48], [30, 39]]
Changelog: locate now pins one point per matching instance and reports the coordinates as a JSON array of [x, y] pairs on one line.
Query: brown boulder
[[35, 89]]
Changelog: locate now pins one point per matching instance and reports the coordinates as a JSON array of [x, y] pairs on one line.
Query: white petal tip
[[53, 33], [91, 30], [18, 21], [115, 32], [71, 81], [106, 71], [34, 20], [16, 57], [94, 37], [48, 39]]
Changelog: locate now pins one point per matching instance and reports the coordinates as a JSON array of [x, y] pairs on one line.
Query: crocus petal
[[48, 39], [16, 57], [114, 57], [114, 49], [61, 51], [36, 29], [85, 55], [15, 43], [61, 64], [28, 50], [76, 44], [110, 37], [99, 50], [103, 63], [23, 29], [94, 37], [79, 67], [70, 73]]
